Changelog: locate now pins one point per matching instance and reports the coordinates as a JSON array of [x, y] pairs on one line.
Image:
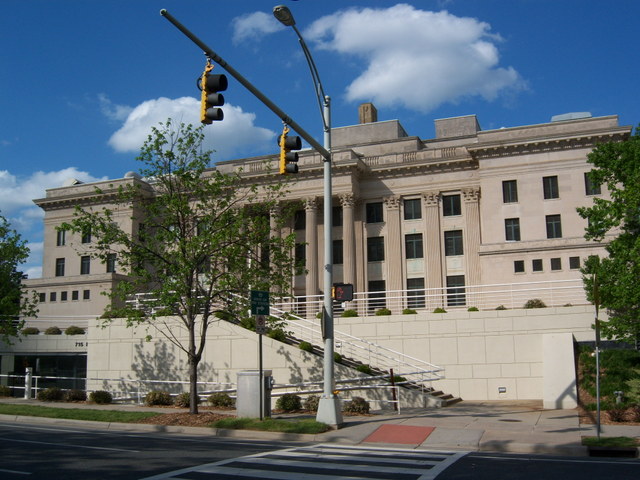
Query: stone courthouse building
[[470, 218]]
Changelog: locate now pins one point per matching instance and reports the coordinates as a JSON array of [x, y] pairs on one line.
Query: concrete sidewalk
[[518, 427]]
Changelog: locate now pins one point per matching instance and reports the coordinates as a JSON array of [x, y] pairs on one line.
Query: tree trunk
[[193, 385]]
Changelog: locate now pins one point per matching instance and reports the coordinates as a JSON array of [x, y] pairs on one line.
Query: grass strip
[[609, 442], [75, 413], [272, 425]]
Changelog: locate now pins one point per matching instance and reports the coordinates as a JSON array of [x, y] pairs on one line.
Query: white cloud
[[111, 110], [235, 135], [415, 58], [253, 26]]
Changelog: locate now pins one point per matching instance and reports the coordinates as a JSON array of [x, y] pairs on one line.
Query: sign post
[[260, 308]]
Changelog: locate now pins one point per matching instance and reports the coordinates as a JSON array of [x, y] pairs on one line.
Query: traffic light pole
[[248, 85]]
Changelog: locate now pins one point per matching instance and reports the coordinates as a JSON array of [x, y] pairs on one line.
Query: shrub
[[472, 309], [249, 323], [635, 414], [409, 311], [337, 358], [349, 313], [311, 403], [306, 346], [634, 387], [398, 378], [383, 311], [356, 405], [439, 310], [101, 397], [73, 330], [289, 402], [319, 315], [220, 399], [51, 394], [53, 331], [75, 395], [157, 397], [501, 307], [277, 334], [184, 400], [30, 331], [617, 414], [364, 368], [5, 391], [534, 303]]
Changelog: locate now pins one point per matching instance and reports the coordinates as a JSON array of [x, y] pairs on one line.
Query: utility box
[[248, 399]]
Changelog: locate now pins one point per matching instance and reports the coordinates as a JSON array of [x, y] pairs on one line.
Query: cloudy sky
[[82, 81]]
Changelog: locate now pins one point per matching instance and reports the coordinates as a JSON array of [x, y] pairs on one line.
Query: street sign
[[261, 324], [259, 302]]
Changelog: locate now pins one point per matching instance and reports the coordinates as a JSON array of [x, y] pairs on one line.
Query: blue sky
[[82, 81]]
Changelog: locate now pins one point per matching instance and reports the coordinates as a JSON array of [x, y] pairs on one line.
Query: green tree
[[15, 301], [617, 222], [201, 240]]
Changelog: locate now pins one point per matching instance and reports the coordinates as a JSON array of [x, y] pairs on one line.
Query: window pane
[[455, 291], [413, 245], [510, 191], [415, 293], [374, 212], [518, 266], [86, 236], [453, 243], [85, 265], [591, 188], [512, 229], [554, 226], [550, 187], [52, 296], [59, 267], [300, 254], [451, 205], [375, 249], [412, 209], [337, 252], [86, 294], [574, 263], [75, 295], [111, 263], [61, 238], [299, 220], [336, 216], [376, 295], [556, 264], [536, 265]]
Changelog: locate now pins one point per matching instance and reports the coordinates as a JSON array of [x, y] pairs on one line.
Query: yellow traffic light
[[288, 159]]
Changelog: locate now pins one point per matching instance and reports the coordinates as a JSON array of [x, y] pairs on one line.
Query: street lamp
[[329, 410]]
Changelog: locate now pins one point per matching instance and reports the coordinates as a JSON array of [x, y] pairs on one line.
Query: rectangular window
[[86, 294], [377, 294], [536, 265], [556, 264], [591, 188], [75, 295], [111, 263], [510, 191], [375, 249], [52, 296], [301, 254], [59, 267], [337, 252], [61, 238], [412, 210], [512, 229], [415, 293], [86, 236], [336, 216], [453, 243], [574, 263], [299, 220], [42, 297], [518, 266], [63, 296], [85, 265], [455, 291], [374, 212], [451, 205], [413, 245], [550, 187], [554, 226]]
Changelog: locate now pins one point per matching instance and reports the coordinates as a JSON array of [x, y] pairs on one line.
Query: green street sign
[[259, 302]]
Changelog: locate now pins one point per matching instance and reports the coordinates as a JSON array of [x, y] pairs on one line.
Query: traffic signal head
[[211, 84], [342, 292], [288, 159]]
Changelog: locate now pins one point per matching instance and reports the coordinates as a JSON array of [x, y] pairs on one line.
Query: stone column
[[347, 201], [432, 240], [471, 198], [394, 262], [311, 239], [274, 221]]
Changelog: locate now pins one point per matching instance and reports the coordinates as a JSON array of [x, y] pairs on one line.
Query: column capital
[[471, 194], [392, 202], [431, 199], [310, 203], [347, 200]]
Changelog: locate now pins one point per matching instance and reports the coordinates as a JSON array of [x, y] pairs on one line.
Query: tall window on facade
[[591, 188], [374, 212], [75, 295], [453, 243], [111, 263], [510, 191], [415, 293], [301, 254], [512, 229], [554, 226], [52, 296], [86, 236], [337, 252], [451, 205], [86, 294], [61, 238], [412, 209], [85, 265], [375, 249], [550, 187], [59, 267], [455, 291], [299, 220], [413, 245], [377, 294], [336, 216]]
